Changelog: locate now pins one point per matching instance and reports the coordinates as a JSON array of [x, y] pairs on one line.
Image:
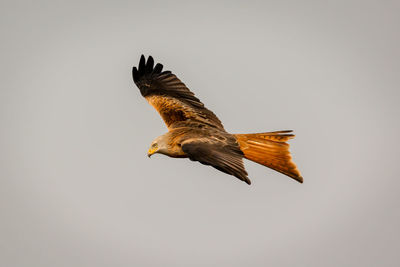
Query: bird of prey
[[196, 133]]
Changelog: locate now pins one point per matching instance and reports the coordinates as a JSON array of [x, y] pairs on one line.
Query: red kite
[[196, 133]]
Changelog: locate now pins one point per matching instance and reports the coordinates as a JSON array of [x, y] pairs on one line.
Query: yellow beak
[[151, 152]]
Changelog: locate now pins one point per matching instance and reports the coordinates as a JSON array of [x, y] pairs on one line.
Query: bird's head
[[159, 145]]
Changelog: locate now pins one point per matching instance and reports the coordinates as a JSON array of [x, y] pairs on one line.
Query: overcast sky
[[76, 185]]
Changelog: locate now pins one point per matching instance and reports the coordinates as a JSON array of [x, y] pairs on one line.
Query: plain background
[[77, 188]]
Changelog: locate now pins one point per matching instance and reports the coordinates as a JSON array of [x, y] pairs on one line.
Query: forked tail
[[271, 150]]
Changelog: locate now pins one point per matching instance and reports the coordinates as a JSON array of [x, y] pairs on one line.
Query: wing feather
[[170, 96], [223, 156]]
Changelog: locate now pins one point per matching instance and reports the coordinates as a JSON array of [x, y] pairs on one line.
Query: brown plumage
[[196, 133]]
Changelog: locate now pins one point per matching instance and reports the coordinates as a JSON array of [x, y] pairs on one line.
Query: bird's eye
[[154, 145]]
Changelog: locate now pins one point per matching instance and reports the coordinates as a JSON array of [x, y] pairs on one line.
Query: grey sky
[[76, 186]]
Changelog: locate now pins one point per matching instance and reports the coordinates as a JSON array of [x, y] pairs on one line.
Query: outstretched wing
[[169, 96], [223, 156]]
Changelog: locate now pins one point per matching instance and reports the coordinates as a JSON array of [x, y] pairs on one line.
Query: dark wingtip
[[135, 74], [142, 65], [158, 68], [146, 67], [149, 64], [245, 179]]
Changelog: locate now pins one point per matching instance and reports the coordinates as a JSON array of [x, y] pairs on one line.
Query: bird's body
[[196, 133], [182, 133]]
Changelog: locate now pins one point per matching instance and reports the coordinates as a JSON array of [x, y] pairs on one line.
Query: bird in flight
[[196, 133]]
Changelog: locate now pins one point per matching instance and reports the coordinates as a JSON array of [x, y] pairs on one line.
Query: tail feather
[[270, 149]]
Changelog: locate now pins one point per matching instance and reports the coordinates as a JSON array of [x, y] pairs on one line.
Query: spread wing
[[219, 154], [169, 96]]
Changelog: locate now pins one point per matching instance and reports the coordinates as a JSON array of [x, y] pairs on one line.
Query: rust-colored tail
[[271, 150]]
